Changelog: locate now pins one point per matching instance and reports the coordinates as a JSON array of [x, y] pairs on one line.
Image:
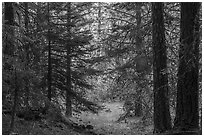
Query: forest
[[101, 68]]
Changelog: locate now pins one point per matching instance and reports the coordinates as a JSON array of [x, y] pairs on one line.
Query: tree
[[68, 70], [49, 74], [9, 20], [162, 120], [10, 52], [27, 79], [139, 41], [41, 54], [187, 117], [71, 53], [66, 54]]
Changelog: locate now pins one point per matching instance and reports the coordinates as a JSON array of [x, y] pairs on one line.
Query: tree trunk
[[37, 16], [9, 50], [139, 40], [187, 117], [14, 103], [69, 84], [27, 83], [49, 95], [9, 20], [162, 120], [138, 104]]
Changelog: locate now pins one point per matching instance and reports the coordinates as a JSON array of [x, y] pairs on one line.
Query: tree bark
[[162, 120], [27, 83], [49, 78], [139, 40], [9, 50], [187, 116], [14, 103], [9, 20], [69, 84]]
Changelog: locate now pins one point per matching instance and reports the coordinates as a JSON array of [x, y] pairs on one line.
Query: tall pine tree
[[162, 120], [187, 117]]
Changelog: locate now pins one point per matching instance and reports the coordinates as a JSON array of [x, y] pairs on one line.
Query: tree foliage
[[68, 57]]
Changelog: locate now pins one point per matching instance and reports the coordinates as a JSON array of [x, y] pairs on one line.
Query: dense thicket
[[69, 57], [47, 52]]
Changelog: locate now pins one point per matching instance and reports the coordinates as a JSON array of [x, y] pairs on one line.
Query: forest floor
[[104, 123]]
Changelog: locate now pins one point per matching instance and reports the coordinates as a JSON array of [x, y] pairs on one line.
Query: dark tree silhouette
[[9, 20], [187, 117], [9, 50], [27, 83], [139, 41], [68, 83], [49, 77], [162, 120]]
